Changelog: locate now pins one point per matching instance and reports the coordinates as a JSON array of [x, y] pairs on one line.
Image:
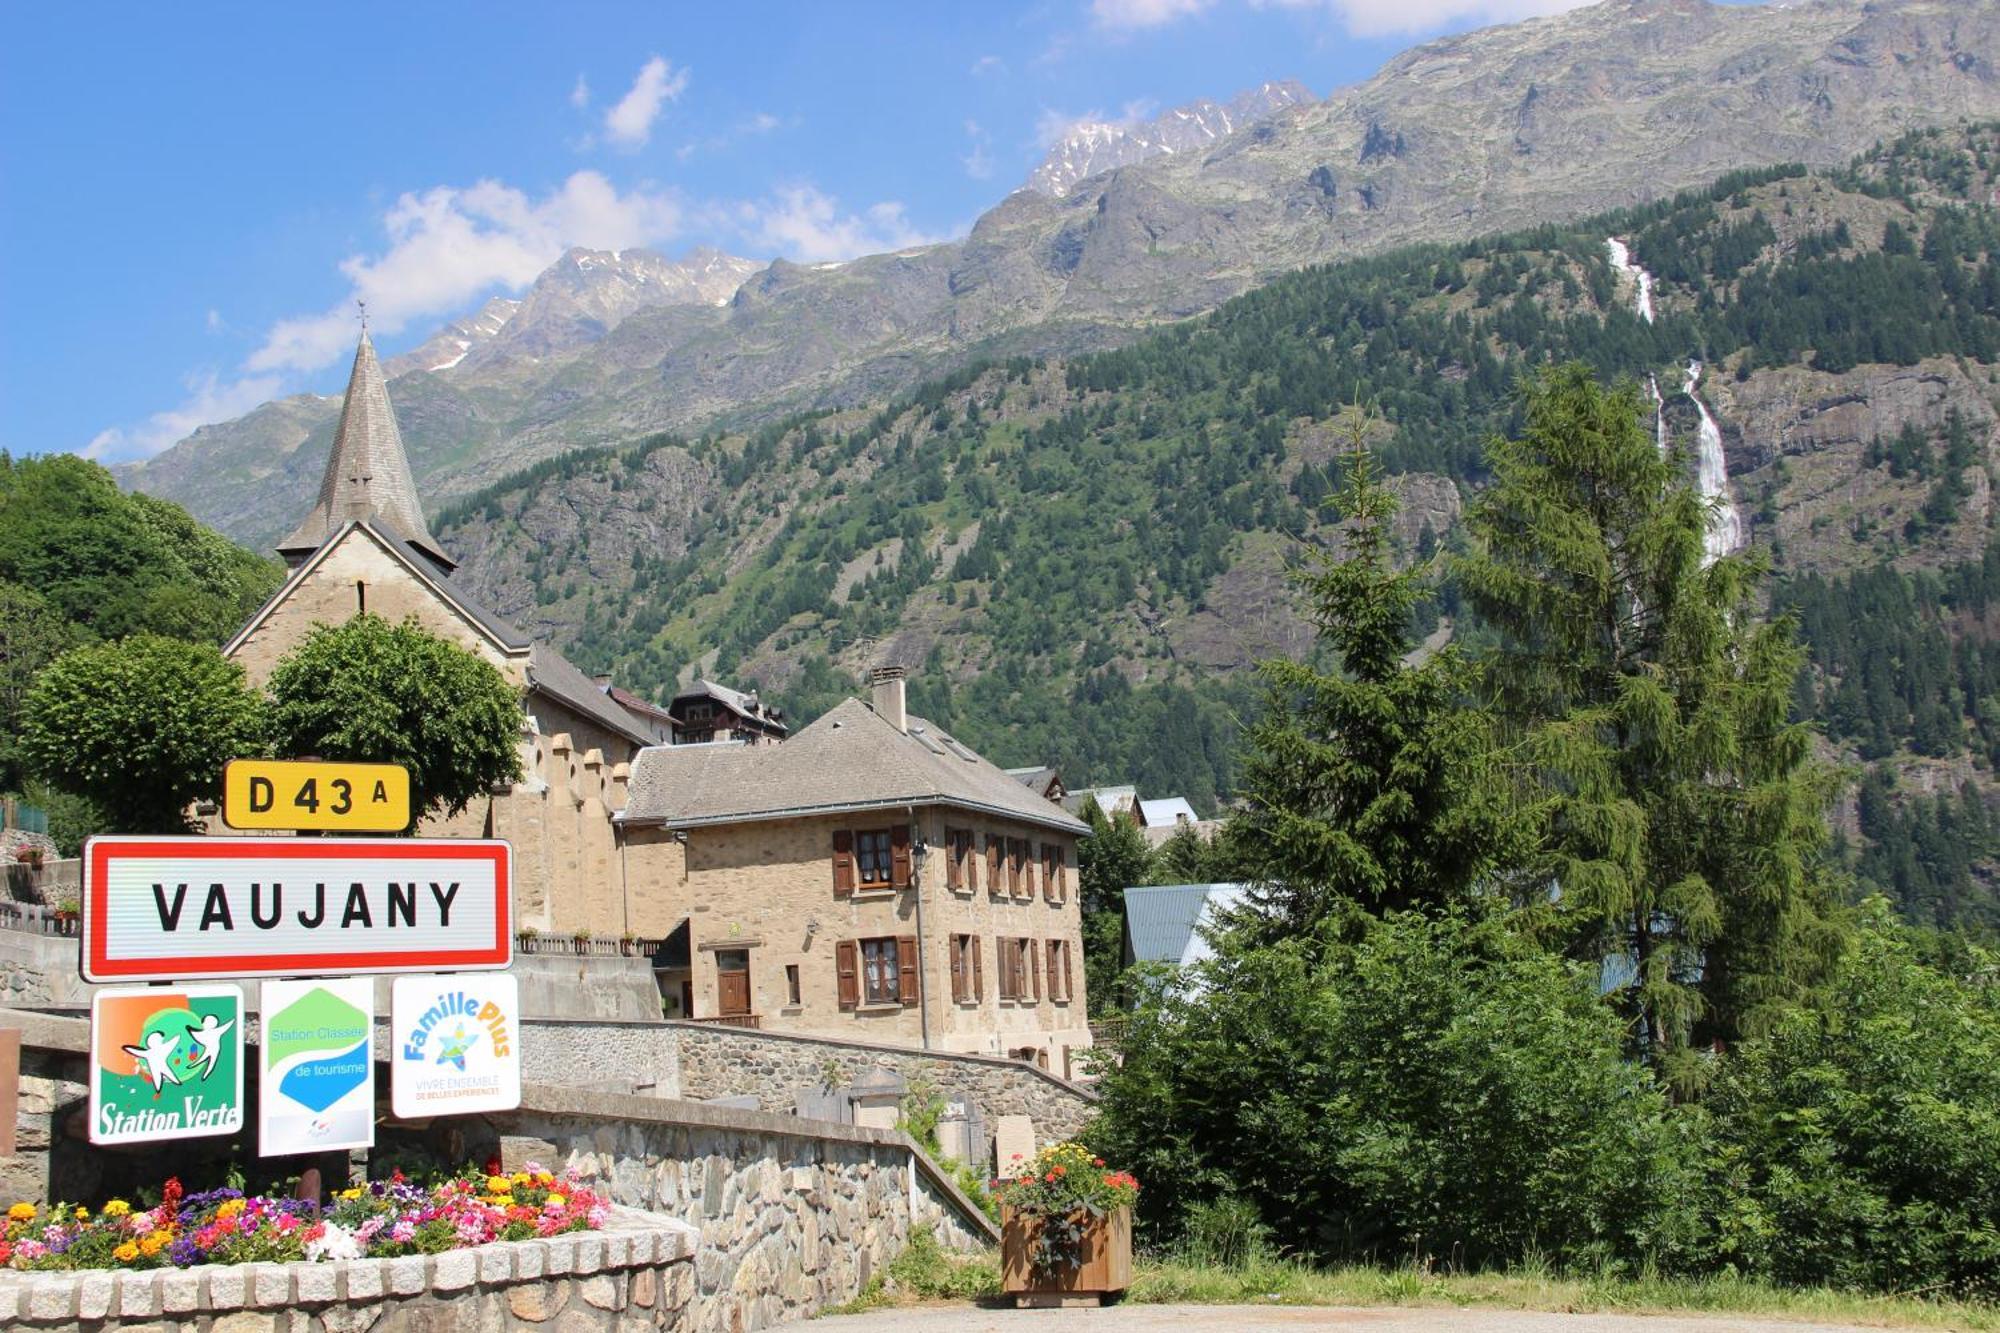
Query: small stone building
[[871, 878]]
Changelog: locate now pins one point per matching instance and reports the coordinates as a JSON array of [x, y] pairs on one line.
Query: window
[[1018, 980], [871, 856], [792, 984], [967, 983], [961, 866], [879, 971], [871, 859], [1061, 975]]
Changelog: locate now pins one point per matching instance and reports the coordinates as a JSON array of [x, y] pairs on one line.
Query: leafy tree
[[142, 728], [1431, 1085], [1113, 858], [1370, 782], [369, 691], [1857, 1145], [1647, 710], [32, 634]]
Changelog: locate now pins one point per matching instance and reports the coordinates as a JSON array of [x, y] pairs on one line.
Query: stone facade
[[638, 1273], [766, 888], [794, 1215], [777, 1070]]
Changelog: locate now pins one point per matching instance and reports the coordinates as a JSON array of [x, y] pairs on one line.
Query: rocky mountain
[[1512, 126], [450, 344], [1092, 147], [1084, 557]]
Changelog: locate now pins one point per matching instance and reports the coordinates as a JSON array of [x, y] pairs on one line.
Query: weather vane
[[364, 314]]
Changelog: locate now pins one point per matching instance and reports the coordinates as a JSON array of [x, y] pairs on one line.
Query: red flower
[[493, 1165], [171, 1195]]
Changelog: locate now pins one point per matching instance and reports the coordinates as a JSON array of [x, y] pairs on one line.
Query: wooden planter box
[[1102, 1268]]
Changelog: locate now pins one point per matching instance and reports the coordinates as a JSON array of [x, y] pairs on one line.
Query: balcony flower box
[[1065, 1228]]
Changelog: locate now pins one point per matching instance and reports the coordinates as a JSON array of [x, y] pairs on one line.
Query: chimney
[[888, 684]]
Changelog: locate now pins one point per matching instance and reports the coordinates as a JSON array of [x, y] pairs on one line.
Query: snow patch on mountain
[[1094, 146]]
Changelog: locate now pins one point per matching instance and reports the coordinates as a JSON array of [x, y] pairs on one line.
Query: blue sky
[[191, 196]]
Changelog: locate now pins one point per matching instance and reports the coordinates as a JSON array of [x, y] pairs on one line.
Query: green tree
[[1432, 1085], [1857, 1145], [141, 728], [1113, 858], [1647, 710], [369, 691], [1370, 781], [32, 634]]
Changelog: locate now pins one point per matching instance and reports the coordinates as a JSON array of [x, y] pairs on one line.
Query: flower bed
[[1063, 1201], [384, 1219]]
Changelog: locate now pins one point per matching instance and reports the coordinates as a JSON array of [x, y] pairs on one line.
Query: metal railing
[[20, 815]]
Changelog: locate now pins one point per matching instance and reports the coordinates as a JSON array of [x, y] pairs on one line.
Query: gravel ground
[[1229, 1318]]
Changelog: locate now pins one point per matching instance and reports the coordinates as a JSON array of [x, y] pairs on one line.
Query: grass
[[927, 1273]]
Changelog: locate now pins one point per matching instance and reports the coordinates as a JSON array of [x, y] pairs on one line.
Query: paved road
[[1254, 1318]]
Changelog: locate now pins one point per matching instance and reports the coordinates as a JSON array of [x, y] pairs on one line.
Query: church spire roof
[[367, 473]]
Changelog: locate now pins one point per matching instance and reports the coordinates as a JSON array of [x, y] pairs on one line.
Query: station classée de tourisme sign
[[192, 908]]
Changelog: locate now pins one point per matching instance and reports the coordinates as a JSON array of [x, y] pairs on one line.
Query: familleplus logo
[[318, 1066], [455, 1044]]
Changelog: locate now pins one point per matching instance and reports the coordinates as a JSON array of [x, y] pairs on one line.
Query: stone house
[[706, 712], [871, 878]]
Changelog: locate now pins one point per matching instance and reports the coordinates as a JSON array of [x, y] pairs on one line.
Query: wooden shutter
[[850, 980], [958, 977], [993, 858], [978, 980], [954, 877], [1003, 954], [1028, 867], [909, 985], [1048, 872], [1033, 950], [899, 856], [1062, 873], [1069, 981], [971, 862], [843, 863]]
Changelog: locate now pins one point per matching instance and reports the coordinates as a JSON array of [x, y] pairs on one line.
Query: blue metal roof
[[1160, 919]]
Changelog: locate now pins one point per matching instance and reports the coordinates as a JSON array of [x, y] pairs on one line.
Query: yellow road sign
[[304, 794]]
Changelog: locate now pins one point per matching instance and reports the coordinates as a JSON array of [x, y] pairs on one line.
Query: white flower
[[335, 1242]]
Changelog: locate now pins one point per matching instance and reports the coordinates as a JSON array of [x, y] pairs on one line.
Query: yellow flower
[[496, 1184], [22, 1212], [153, 1244], [350, 1194], [545, 1179], [126, 1253], [82, 1213], [520, 1177], [117, 1208], [503, 1201], [557, 1201], [230, 1208]]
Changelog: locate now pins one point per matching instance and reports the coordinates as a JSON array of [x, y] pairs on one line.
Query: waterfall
[[1659, 414], [1621, 259], [1725, 525]]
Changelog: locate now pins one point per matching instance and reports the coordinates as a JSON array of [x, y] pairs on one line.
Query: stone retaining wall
[[794, 1215], [638, 1273], [778, 1067]]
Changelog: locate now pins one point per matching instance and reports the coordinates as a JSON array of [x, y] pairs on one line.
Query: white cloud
[[761, 123], [579, 96], [1052, 127], [1126, 15], [629, 124], [1382, 18], [208, 400], [216, 324], [988, 65], [802, 223], [449, 245]]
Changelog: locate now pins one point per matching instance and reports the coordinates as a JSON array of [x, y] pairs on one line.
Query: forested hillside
[[82, 561], [1082, 558]]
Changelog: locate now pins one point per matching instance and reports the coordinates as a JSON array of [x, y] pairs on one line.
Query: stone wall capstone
[[778, 1068]]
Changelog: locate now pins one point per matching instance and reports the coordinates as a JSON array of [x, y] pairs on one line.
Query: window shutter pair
[[843, 864], [954, 876], [899, 856], [849, 974], [910, 984]]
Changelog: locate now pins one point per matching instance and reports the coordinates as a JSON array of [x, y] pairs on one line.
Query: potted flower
[[526, 939], [1066, 1228], [628, 944]]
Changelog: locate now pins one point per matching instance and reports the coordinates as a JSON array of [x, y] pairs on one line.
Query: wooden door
[[732, 967]]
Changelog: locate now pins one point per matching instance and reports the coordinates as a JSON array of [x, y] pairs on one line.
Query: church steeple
[[367, 473]]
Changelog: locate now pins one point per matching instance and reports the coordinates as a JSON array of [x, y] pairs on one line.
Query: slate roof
[[1110, 800], [1035, 777], [850, 759], [1160, 920], [367, 473], [562, 680]]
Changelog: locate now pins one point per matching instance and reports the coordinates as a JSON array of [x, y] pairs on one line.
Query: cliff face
[[1528, 123]]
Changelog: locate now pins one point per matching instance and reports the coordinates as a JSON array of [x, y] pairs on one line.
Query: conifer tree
[[1369, 778], [1646, 710]]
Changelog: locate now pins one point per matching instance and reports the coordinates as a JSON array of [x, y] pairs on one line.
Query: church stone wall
[[329, 596]]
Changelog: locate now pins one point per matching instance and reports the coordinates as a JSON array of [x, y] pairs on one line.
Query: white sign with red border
[[181, 908]]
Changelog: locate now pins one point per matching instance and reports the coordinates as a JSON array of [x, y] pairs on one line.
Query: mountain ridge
[[1506, 127]]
